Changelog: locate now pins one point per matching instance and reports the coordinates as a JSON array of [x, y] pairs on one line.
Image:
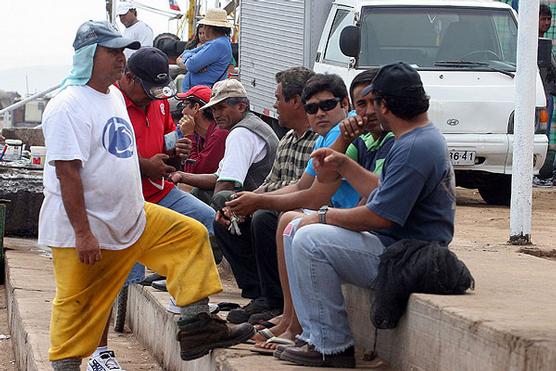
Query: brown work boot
[[207, 332], [307, 355]]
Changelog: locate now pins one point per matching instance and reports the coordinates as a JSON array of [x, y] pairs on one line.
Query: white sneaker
[[105, 361], [173, 308]]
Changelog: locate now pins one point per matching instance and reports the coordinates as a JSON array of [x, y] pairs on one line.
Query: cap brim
[[367, 90], [121, 42], [213, 102], [165, 91]]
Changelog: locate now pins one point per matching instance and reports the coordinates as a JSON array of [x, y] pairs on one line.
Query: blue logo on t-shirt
[[117, 137]]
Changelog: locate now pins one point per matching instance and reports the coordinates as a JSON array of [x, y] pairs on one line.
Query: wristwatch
[[322, 214]]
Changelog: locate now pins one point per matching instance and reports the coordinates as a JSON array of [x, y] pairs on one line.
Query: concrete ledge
[[506, 324]]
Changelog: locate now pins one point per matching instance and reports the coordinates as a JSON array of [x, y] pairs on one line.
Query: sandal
[[273, 340], [266, 333], [264, 324]]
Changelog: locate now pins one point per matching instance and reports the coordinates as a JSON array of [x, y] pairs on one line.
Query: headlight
[[541, 121]]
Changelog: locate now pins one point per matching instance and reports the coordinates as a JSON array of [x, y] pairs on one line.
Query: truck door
[[330, 58]]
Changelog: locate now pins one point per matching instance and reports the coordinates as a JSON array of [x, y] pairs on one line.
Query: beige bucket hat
[[216, 17], [225, 89]]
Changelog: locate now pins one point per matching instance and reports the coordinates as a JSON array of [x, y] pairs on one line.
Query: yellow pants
[[172, 245]]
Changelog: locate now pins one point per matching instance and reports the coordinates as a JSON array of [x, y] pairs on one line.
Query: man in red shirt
[[146, 85], [208, 141]]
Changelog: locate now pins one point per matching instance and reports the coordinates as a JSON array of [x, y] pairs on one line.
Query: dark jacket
[[409, 266]]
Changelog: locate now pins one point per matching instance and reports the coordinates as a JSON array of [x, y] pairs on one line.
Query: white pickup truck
[[464, 50]]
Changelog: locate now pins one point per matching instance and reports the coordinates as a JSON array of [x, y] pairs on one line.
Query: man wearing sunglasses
[[326, 103]]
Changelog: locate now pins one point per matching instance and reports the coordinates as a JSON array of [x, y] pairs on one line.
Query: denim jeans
[[185, 204], [319, 258]]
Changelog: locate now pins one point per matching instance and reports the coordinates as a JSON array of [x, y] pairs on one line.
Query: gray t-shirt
[[417, 189]]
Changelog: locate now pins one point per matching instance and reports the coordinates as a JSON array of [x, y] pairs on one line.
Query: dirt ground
[[478, 227]]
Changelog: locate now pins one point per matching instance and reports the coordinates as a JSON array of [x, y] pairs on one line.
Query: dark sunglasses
[[325, 105]]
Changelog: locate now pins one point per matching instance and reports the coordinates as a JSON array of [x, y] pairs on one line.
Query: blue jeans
[[183, 203], [319, 258]]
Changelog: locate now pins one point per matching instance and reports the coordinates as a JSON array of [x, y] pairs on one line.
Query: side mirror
[[544, 56], [350, 41]]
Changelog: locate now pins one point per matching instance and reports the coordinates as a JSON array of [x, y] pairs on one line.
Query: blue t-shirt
[[346, 196], [208, 63], [417, 189]]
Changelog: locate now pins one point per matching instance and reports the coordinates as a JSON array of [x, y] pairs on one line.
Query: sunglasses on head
[[325, 105]]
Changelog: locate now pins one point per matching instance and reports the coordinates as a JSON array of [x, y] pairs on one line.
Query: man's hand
[[87, 248], [244, 203], [352, 127], [177, 177], [183, 148], [187, 125], [308, 220], [2, 139], [327, 163], [155, 167]]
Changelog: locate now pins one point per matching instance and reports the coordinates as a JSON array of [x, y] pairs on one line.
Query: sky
[[36, 38]]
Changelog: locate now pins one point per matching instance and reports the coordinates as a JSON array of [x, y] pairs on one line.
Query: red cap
[[200, 92]]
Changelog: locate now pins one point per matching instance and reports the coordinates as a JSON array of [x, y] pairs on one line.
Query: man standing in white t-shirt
[[97, 224], [134, 28]]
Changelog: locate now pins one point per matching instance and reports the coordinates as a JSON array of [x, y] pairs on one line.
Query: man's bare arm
[[68, 173], [360, 218], [201, 181]]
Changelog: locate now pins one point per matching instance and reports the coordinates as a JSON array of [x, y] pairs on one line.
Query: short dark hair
[[206, 112], [544, 10], [293, 81], [324, 82], [406, 108], [364, 78]]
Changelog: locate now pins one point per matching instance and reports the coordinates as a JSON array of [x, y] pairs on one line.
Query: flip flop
[[266, 333], [272, 340], [264, 324]]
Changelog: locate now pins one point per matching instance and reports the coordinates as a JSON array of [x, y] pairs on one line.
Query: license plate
[[462, 157]]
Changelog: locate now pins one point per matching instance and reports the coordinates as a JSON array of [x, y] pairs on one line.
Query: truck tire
[[120, 310], [498, 191]]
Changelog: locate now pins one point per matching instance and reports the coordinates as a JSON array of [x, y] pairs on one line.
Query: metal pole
[[522, 167]]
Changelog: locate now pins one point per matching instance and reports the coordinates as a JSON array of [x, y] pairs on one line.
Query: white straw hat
[[217, 18]]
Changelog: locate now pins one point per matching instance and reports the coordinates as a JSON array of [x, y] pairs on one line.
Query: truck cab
[[465, 53]]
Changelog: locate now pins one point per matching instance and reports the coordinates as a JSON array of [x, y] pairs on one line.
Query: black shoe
[[306, 355], [159, 285], [242, 314], [264, 315], [208, 332], [147, 281]]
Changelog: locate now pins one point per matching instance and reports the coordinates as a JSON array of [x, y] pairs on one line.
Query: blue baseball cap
[[104, 34]]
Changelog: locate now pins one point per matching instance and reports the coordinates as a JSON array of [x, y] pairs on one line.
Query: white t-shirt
[[140, 31], [243, 148], [83, 124]]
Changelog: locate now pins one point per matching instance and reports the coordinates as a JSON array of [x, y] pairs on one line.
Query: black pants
[[252, 256]]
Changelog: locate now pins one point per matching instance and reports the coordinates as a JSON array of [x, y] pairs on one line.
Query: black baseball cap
[[104, 34], [397, 80], [150, 65]]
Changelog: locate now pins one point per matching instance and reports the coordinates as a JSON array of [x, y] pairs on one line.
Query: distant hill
[[39, 77]]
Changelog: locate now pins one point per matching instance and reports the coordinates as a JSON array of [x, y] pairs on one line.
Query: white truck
[[464, 50]]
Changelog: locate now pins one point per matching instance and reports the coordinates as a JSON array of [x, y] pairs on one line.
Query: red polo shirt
[[207, 152], [150, 127]]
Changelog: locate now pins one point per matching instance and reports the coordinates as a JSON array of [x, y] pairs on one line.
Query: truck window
[[432, 36], [333, 54]]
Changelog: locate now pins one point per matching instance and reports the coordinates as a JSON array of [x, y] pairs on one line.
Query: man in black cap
[[413, 199], [146, 85], [97, 224]]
